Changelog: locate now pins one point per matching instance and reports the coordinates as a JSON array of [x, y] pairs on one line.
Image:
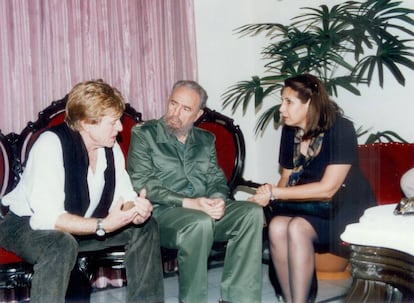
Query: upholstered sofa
[[384, 164], [381, 245]]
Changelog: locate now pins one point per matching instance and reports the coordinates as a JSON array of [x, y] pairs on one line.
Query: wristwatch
[[100, 231]]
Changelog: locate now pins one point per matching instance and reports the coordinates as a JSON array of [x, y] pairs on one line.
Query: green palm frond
[[389, 55], [345, 45], [255, 29], [385, 136], [257, 88], [272, 114]]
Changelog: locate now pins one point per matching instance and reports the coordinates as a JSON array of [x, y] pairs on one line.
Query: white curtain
[[140, 46]]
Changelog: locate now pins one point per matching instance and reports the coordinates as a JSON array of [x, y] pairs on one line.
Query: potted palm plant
[[344, 45]]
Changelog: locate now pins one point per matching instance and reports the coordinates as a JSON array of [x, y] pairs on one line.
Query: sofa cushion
[[226, 153], [7, 257], [383, 164]]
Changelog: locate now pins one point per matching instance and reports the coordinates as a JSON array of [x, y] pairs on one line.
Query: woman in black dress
[[319, 161]]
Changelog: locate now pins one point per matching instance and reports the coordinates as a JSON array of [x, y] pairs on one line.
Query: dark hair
[[194, 86], [322, 110]]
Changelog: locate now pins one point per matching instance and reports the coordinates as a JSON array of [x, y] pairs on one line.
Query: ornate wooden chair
[[230, 147], [5, 160], [18, 273], [231, 151], [14, 272]]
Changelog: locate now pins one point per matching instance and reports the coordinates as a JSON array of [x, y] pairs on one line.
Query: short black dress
[[339, 146]]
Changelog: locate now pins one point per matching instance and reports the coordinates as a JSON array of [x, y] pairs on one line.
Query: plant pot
[[331, 267]]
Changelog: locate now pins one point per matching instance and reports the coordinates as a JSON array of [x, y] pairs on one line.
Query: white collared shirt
[[40, 192]]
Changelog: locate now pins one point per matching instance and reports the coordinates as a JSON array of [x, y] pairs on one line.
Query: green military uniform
[[172, 171]]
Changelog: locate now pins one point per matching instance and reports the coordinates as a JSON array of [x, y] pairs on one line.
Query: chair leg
[[278, 290], [17, 294], [15, 281], [79, 289]]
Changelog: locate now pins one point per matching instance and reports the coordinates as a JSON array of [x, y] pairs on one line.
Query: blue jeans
[[54, 253]]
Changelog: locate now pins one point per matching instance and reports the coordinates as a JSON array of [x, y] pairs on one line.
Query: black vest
[[76, 163]]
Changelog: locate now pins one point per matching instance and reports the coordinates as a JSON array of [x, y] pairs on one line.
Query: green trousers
[[53, 255], [193, 232]]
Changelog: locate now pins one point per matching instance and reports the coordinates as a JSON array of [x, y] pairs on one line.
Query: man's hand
[[126, 212], [128, 205], [143, 207], [214, 207], [121, 214], [118, 216]]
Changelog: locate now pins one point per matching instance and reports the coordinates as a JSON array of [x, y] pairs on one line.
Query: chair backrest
[[383, 164], [5, 164], [54, 114], [6, 176], [230, 146]]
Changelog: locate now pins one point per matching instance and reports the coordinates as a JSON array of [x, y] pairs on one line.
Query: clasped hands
[[125, 212], [214, 207]]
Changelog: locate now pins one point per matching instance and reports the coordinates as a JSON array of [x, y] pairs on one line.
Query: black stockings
[[292, 250]]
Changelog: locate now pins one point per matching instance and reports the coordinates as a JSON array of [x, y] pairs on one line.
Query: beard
[[174, 126]]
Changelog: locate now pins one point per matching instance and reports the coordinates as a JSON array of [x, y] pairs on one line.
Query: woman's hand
[[265, 189], [263, 195]]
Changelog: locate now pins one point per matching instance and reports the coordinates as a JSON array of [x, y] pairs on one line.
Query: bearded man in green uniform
[[177, 164]]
